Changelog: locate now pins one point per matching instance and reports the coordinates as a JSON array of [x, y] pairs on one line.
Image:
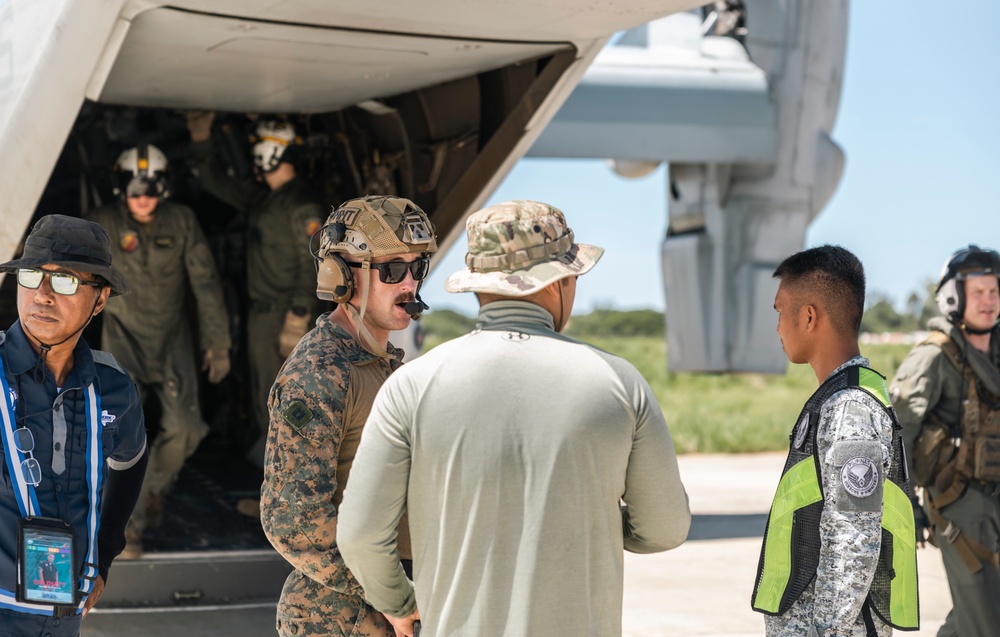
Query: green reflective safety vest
[[790, 553]]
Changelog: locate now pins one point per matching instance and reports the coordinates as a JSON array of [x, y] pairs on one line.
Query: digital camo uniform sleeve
[[213, 319], [306, 409], [854, 441], [916, 391]]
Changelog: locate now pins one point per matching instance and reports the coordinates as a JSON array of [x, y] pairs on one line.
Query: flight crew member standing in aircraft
[[513, 449], [824, 570], [373, 254], [947, 394], [160, 247], [71, 428], [281, 218]]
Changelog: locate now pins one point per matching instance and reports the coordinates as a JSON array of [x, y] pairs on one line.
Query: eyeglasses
[[30, 468], [62, 282], [394, 272]]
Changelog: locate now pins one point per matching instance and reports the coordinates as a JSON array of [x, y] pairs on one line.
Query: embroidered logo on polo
[[129, 241], [106, 418], [860, 476]]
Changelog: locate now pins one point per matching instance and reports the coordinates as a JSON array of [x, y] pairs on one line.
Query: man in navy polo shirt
[[71, 425]]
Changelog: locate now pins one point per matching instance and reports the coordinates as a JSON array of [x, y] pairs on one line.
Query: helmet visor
[[144, 187]]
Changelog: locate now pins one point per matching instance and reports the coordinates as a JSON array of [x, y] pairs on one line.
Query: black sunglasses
[[394, 272]]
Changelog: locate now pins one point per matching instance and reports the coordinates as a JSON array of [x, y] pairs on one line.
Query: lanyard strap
[[95, 462], [24, 493]]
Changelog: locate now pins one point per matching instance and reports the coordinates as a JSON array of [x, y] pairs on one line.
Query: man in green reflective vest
[[838, 557]]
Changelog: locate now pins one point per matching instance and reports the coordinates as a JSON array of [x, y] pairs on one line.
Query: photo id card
[[45, 560]]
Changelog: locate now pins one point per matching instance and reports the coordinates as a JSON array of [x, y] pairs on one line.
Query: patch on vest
[[859, 476], [297, 415], [106, 418], [801, 431]]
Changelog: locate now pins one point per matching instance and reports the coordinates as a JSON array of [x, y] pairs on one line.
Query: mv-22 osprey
[[435, 101]]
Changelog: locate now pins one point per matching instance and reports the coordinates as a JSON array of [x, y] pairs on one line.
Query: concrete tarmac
[[700, 589], [703, 587]]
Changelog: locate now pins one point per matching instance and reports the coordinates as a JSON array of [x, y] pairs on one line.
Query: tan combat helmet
[[366, 228], [377, 226]]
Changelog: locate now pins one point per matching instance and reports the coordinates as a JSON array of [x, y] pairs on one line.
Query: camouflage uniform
[[927, 389], [318, 407], [280, 270], [149, 333], [850, 527]]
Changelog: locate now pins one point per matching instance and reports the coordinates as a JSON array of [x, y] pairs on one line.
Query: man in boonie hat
[[512, 449], [57, 391], [519, 248]]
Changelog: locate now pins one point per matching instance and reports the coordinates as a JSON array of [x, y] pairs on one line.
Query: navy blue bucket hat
[[73, 243]]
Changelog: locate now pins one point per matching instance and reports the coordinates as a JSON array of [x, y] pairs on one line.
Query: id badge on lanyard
[[45, 563]]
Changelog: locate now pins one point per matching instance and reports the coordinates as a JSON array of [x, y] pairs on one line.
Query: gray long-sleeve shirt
[[512, 449]]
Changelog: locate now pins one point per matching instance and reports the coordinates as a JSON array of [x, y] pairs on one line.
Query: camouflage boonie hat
[[377, 226], [517, 248]]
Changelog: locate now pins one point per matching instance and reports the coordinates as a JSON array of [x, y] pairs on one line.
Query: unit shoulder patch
[[297, 415], [859, 476], [800, 432]]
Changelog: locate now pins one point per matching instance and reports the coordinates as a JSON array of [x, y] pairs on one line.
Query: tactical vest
[[948, 455], [790, 553]]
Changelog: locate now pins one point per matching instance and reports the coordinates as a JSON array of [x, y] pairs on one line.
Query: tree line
[[880, 316]]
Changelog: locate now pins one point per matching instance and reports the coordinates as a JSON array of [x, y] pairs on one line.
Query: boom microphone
[[415, 307]]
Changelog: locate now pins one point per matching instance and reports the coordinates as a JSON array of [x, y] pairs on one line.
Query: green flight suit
[[280, 270], [149, 333], [929, 387]]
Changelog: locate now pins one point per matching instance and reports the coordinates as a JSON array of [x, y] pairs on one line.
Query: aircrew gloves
[[216, 362]]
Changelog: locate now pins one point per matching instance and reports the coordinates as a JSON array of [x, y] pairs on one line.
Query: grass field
[[725, 413]]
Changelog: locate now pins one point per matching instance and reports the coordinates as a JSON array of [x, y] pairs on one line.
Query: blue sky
[[919, 122]]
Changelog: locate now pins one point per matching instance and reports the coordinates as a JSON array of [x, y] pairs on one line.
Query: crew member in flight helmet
[[947, 395], [282, 213], [161, 248]]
